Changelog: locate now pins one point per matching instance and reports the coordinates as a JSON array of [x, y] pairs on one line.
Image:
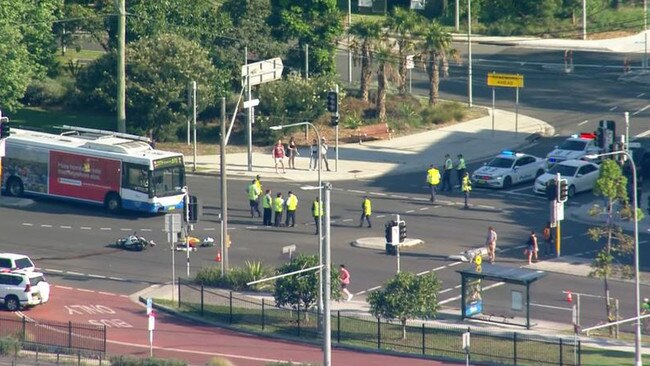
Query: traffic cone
[[218, 257], [569, 296]]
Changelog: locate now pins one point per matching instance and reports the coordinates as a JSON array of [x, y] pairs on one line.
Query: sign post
[[172, 228], [466, 342], [506, 81], [410, 64], [151, 327]]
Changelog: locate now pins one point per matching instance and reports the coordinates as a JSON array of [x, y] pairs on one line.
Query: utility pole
[[249, 124], [327, 323], [194, 122], [457, 16], [584, 19], [469, 52], [121, 61], [350, 42], [224, 196], [307, 61]]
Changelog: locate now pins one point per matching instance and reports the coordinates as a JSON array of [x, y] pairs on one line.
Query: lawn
[[47, 118]]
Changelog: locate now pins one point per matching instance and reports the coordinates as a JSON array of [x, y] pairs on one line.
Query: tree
[[301, 290], [406, 296], [386, 71], [403, 23], [434, 53], [611, 184], [317, 23], [367, 35], [159, 71]]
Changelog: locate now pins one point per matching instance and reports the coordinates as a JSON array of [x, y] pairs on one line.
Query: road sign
[[263, 71], [152, 321], [559, 211], [409, 62], [251, 103], [2, 148], [505, 80], [149, 305], [466, 340], [173, 223]]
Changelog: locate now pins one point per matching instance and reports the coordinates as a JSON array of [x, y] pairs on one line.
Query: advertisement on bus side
[[83, 177]]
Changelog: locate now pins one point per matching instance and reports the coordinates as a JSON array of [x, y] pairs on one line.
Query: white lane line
[[398, 196], [613, 108], [96, 276], [449, 300], [379, 194], [439, 268], [518, 189], [643, 241], [454, 264], [640, 95], [641, 110], [45, 225], [145, 229], [551, 307], [642, 134], [209, 229], [583, 122], [411, 211], [116, 278], [423, 208], [105, 228], [419, 199], [445, 290], [27, 224], [355, 191], [379, 216], [84, 290], [75, 273], [422, 273], [106, 293], [347, 220], [568, 237], [53, 270], [125, 229], [484, 206], [85, 228], [64, 287]]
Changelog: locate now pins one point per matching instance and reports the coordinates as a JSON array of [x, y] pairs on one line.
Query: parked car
[[508, 168], [12, 262], [580, 175], [575, 147], [21, 288]]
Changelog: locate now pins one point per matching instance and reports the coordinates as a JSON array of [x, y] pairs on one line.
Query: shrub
[[46, 92], [237, 277], [442, 113], [134, 361], [220, 361], [352, 121], [9, 346]]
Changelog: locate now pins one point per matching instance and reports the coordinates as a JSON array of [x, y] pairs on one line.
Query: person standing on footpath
[[491, 243], [317, 212], [292, 206], [253, 196], [323, 153], [267, 204], [278, 156], [531, 247], [466, 187], [366, 211], [278, 207], [446, 174], [258, 183], [433, 179], [293, 152], [313, 155], [461, 169], [344, 278], [547, 234]]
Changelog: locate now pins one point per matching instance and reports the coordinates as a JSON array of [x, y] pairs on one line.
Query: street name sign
[[505, 80], [251, 103], [263, 71]]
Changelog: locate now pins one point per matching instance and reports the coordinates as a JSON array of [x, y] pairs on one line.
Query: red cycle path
[[195, 343]]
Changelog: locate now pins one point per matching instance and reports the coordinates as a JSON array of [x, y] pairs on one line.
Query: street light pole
[[469, 52], [327, 320]]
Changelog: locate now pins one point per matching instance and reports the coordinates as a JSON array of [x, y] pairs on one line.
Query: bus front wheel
[[113, 203], [15, 187]]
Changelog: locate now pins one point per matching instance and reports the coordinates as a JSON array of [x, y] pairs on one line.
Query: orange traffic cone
[[218, 257], [569, 296]]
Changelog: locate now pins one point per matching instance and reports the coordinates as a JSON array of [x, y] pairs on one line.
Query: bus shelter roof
[[493, 272]]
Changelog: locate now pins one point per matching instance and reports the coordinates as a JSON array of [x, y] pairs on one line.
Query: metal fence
[[426, 340], [55, 337]]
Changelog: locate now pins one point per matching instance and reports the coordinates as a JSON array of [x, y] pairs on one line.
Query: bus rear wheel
[[15, 187], [113, 203]]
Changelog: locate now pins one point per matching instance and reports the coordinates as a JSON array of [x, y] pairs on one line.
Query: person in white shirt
[[323, 153]]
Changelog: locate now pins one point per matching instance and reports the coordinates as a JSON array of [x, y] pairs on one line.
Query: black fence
[[433, 341], [55, 337]]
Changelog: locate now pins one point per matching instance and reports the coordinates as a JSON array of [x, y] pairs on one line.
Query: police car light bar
[[588, 135], [507, 152]]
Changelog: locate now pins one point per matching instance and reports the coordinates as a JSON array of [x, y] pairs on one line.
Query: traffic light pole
[[336, 146], [397, 245], [558, 237]]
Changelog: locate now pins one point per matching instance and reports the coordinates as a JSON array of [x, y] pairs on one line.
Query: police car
[[581, 176], [575, 147], [508, 168]]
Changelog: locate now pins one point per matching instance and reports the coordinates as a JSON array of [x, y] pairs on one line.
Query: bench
[[377, 131]]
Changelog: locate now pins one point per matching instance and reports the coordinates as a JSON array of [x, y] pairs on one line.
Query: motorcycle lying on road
[[134, 243]]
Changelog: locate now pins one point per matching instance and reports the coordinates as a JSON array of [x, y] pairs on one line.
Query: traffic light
[[192, 210], [335, 120], [391, 247], [551, 190], [4, 129], [563, 195], [402, 231], [332, 102]]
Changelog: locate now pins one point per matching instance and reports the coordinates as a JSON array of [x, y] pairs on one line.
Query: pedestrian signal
[[332, 101], [551, 190], [191, 210], [4, 128], [335, 121], [563, 195], [402, 231]]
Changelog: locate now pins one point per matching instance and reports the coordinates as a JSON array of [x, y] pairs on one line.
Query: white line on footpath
[[251, 227], [347, 220], [27, 224], [613, 108], [210, 229], [640, 95], [106, 293], [63, 287], [484, 206], [583, 122], [145, 230], [641, 110]]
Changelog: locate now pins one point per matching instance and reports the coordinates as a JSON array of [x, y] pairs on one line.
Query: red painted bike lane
[[196, 343]]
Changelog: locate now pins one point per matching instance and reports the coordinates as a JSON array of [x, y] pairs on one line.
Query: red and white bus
[[119, 171]]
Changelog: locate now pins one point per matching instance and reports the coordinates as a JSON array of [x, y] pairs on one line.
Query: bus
[[116, 170]]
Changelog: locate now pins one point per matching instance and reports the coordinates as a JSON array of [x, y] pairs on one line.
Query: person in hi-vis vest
[[316, 212], [366, 211], [278, 208], [292, 206], [433, 179]]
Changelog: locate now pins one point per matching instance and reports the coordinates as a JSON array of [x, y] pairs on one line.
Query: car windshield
[[24, 263], [168, 181], [501, 163], [573, 145], [564, 170]]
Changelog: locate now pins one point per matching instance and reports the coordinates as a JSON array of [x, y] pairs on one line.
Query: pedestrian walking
[[491, 243], [547, 234], [466, 187], [253, 198], [267, 204], [317, 212], [323, 153], [461, 169], [278, 156], [258, 182], [446, 174], [531, 247], [278, 208], [366, 211], [344, 278], [313, 155], [292, 206], [433, 179], [293, 152]]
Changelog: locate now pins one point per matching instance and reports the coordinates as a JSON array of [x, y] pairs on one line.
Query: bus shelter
[[472, 301]]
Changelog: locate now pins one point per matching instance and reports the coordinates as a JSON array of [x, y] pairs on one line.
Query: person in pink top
[[278, 156], [344, 278]]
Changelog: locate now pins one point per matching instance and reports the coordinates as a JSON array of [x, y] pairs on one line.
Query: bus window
[[135, 177], [168, 181]]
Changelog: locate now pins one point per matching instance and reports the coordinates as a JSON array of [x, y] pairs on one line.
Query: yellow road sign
[[505, 80]]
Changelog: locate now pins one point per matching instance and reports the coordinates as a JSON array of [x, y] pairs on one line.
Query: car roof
[[575, 163], [13, 256]]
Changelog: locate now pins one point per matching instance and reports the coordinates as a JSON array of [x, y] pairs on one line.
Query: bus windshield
[[168, 181]]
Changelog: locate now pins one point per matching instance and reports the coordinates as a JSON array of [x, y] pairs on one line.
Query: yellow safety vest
[[448, 164], [292, 203], [433, 176], [467, 184], [278, 204], [461, 164], [258, 184], [367, 207], [267, 201], [317, 209], [253, 192]]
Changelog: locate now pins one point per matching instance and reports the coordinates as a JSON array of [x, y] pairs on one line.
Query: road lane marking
[[484, 206], [53, 270], [105, 228], [613, 108], [423, 208], [347, 220], [641, 110], [107, 293], [125, 229], [583, 122], [116, 278], [379, 194], [84, 290], [355, 191], [64, 287], [398, 196], [65, 227], [27, 224], [568, 237], [75, 273], [419, 199], [251, 227], [379, 216], [85, 228], [640, 95], [410, 211], [209, 229], [45, 225], [551, 307], [422, 273], [96, 276], [642, 134]]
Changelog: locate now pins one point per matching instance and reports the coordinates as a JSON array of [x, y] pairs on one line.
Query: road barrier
[[424, 339]]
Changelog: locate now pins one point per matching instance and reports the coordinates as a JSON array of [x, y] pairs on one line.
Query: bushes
[[134, 361], [220, 361], [46, 92], [9, 346], [443, 112], [237, 277]]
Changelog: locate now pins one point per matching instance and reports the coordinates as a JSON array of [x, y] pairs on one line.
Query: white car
[[575, 147], [508, 168], [12, 262], [580, 175], [19, 289]]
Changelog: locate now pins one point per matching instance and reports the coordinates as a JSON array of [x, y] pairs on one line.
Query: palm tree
[[403, 23], [435, 52], [385, 72], [367, 35]]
